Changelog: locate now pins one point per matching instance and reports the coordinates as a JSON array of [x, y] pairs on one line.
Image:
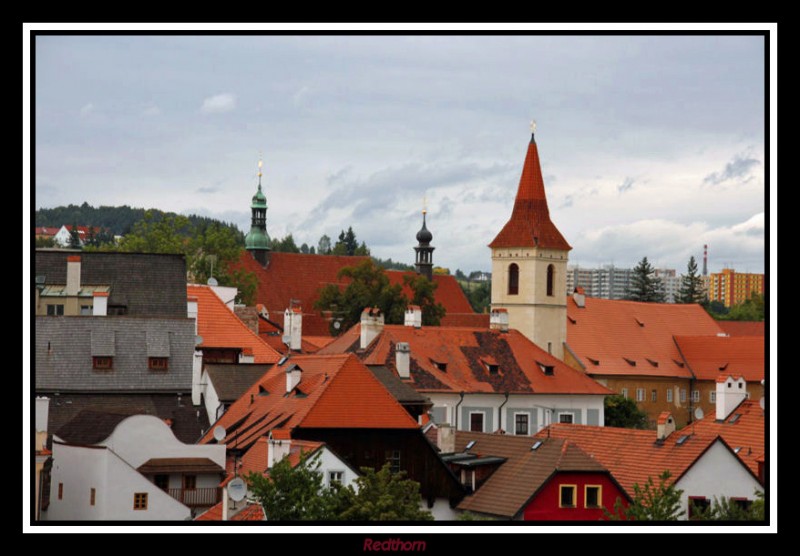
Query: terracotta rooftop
[[614, 337], [256, 459], [221, 328], [508, 490], [742, 327], [710, 357], [179, 465], [333, 392], [744, 428], [449, 359], [633, 455], [251, 512], [530, 224]]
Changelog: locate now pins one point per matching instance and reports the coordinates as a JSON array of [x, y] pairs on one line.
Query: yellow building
[[731, 288], [529, 264]]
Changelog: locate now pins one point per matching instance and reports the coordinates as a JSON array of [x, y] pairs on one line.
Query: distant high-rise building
[[611, 282], [731, 288], [670, 283]]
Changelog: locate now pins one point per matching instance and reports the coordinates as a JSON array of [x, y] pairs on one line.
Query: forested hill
[[119, 220]]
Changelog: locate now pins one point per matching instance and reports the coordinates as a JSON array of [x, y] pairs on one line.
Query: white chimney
[[246, 355], [579, 297], [293, 374], [414, 316], [665, 426], [73, 275], [371, 325], [498, 320], [197, 371], [293, 327], [403, 359], [100, 304], [446, 438], [42, 413], [191, 310], [731, 391], [280, 444]]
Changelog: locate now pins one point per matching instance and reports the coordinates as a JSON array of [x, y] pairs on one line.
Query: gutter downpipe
[[457, 405], [500, 413]]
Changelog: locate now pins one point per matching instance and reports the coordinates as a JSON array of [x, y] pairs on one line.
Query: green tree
[[751, 309], [74, 237], [691, 289], [651, 502], [45, 242], [324, 245], [423, 296], [479, 294], [304, 248], [381, 496], [623, 412], [293, 493], [725, 509], [645, 286]]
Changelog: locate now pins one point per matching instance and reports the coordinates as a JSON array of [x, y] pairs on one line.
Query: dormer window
[[158, 363], [102, 362], [548, 370]]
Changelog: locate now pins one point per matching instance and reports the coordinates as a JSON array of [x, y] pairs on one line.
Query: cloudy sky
[[650, 145]]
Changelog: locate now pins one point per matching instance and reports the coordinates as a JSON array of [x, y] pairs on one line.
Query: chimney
[[73, 275], [666, 425], [293, 328], [446, 438], [293, 374], [498, 320], [100, 304], [579, 297], [246, 355], [42, 414], [414, 316], [280, 443], [731, 391], [402, 353], [198, 387], [371, 325], [248, 315], [191, 310]]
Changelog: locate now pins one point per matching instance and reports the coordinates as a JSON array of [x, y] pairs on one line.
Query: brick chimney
[[498, 320], [280, 443], [293, 375], [414, 316], [731, 391], [100, 304], [371, 325], [293, 328], [402, 353], [665, 425], [579, 297], [446, 438], [73, 275]]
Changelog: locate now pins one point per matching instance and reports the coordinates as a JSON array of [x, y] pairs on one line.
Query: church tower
[[257, 240], [424, 249], [529, 263]]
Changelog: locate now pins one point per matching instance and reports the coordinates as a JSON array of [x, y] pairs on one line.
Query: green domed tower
[[257, 240]]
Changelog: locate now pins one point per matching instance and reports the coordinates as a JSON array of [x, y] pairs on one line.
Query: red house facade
[[571, 496]]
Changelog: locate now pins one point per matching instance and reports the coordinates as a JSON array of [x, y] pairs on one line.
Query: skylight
[[682, 439], [470, 444], [536, 445]]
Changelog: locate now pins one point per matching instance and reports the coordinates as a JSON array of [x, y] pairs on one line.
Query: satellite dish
[[237, 489], [762, 403], [337, 325], [219, 433], [212, 282], [698, 413], [198, 340]]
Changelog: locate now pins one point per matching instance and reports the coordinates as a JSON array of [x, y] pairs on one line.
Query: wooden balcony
[[197, 496]]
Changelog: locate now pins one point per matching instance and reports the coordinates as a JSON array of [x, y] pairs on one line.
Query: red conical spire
[[530, 224]]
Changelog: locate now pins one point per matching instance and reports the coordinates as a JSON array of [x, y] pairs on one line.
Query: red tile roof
[[633, 455], [46, 231], [335, 391], [221, 328], [256, 459], [299, 277], [530, 224], [462, 351], [742, 327], [613, 332], [251, 512], [711, 357], [746, 431]]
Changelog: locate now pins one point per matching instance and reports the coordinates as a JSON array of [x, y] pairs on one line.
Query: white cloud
[[218, 104], [151, 110], [87, 109]]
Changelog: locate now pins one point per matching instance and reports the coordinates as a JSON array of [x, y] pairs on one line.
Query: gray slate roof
[[65, 346], [402, 392], [231, 381], [149, 284]]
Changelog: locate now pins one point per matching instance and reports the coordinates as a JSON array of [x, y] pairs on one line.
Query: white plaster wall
[[62, 236], [718, 473], [211, 399], [441, 510], [329, 462], [142, 437], [579, 404]]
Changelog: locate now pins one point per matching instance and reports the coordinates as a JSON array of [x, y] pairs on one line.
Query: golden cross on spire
[[533, 126], [260, 163], [424, 204]]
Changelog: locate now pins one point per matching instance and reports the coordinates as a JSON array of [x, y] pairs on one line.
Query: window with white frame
[[476, 421], [712, 396], [653, 395], [683, 395], [623, 392], [640, 394], [335, 477], [695, 396], [566, 418], [669, 395], [521, 423]]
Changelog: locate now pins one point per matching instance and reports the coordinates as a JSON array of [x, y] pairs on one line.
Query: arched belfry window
[[513, 279], [551, 276]]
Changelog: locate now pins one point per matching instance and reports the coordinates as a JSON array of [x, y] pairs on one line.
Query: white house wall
[[441, 510], [541, 408], [329, 462], [718, 473], [211, 399], [141, 437]]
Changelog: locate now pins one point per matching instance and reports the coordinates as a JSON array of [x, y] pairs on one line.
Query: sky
[[650, 145]]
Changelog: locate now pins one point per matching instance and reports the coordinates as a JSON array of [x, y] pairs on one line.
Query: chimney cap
[[74, 259]]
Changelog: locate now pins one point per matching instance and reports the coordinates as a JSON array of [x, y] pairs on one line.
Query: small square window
[[521, 423], [669, 395], [140, 501], [335, 477], [695, 396], [162, 481], [86, 310], [594, 495], [640, 394], [653, 395], [55, 310], [566, 418], [103, 363], [158, 363], [476, 422], [393, 457], [566, 498], [623, 392], [683, 395], [712, 396], [189, 482], [698, 506]]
